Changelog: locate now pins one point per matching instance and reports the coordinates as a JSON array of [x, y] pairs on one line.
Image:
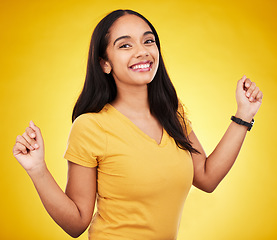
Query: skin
[[73, 209], [132, 97]]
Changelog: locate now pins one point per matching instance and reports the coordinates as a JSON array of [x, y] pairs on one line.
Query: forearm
[[59, 206], [209, 171], [71, 210], [221, 160]]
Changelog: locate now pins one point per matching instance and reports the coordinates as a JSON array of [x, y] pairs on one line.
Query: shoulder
[[91, 119], [87, 124], [86, 131], [87, 140], [85, 121]]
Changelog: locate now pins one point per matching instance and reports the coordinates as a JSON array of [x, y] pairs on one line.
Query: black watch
[[241, 122]]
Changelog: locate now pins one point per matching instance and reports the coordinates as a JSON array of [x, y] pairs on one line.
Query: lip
[[142, 69]]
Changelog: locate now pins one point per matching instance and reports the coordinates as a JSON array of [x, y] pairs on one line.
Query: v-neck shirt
[[141, 185], [134, 126]]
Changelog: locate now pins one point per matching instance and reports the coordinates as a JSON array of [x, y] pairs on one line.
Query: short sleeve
[[187, 125], [86, 142]]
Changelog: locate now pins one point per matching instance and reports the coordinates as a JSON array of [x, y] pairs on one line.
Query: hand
[[29, 149], [249, 99]]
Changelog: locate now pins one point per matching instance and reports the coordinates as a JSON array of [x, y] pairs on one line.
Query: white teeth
[[141, 66]]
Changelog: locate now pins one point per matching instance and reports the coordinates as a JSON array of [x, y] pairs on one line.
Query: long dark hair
[[100, 88]]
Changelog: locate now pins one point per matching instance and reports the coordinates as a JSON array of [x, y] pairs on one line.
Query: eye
[[125, 46], [149, 41]]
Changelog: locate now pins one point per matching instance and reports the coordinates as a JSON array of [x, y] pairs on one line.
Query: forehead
[[131, 25]]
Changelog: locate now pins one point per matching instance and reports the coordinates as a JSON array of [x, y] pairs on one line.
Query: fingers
[[251, 89], [259, 96], [241, 82], [37, 133], [30, 142], [31, 132], [20, 145], [26, 142], [252, 92]]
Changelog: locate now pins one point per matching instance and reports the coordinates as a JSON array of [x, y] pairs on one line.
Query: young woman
[[131, 147]]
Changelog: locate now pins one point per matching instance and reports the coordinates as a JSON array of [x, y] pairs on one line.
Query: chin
[[144, 81]]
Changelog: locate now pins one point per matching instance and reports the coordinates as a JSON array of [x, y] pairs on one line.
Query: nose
[[141, 51]]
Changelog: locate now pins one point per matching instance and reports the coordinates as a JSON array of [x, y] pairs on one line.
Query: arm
[[209, 171], [71, 210]]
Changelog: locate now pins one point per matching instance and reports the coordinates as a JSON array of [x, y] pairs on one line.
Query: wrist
[[245, 116], [37, 171], [239, 121]]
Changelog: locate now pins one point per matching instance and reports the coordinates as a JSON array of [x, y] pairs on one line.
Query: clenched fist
[[249, 99], [29, 148]]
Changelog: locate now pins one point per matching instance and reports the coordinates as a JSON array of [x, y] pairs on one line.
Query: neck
[[132, 101]]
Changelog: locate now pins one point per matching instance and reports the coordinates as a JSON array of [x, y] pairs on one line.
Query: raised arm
[[72, 210], [209, 171]]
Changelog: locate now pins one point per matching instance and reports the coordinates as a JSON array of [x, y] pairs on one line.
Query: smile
[[142, 66]]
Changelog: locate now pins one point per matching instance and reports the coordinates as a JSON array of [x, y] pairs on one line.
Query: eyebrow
[[127, 36]]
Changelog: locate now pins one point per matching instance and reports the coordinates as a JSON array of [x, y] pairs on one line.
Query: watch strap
[[241, 122]]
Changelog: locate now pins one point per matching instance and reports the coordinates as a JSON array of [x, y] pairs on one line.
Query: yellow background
[[207, 46]]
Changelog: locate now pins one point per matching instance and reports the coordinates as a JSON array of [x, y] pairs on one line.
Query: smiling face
[[133, 56]]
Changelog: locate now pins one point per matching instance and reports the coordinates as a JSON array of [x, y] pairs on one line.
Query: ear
[[105, 65]]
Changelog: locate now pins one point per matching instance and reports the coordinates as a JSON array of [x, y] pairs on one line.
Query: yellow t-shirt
[[142, 185]]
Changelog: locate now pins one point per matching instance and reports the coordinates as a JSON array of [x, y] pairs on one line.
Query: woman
[[131, 146]]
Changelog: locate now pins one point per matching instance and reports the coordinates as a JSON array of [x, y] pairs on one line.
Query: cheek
[[155, 53], [120, 61]]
